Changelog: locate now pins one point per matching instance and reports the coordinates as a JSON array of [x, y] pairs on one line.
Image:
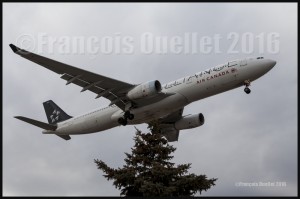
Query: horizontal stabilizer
[[65, 137], [37, 123]]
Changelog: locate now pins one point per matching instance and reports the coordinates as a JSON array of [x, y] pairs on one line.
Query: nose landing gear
[[247, 90], [123, 120], [247, 84]]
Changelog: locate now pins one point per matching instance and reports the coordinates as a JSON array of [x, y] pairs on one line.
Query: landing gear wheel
[[126, 114], [247, 90], [130, 116], [122, 121]]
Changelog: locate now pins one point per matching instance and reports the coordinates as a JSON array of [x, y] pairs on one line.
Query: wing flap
[[82, 83], [173, 117], [166, 125], [171, 134], [109, 88], [78, 76]]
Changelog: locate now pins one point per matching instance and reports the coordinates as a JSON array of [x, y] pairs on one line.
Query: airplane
[[141, 103]]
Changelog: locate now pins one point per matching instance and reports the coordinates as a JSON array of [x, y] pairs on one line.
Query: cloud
[[245, 138]]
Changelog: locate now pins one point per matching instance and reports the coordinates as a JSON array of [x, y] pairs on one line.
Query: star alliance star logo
[[54, 116]]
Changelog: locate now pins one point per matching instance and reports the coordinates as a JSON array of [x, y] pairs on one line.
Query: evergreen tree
[[149, 172]]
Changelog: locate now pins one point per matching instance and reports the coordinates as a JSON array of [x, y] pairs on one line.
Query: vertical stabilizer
[[54, 113]]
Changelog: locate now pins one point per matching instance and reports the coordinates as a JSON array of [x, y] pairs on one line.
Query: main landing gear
[[123, 120], [247, 84]]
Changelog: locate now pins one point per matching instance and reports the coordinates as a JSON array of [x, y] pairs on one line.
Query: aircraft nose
[[271, 63]]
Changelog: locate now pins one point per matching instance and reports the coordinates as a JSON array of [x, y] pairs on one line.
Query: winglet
[[14, 48]]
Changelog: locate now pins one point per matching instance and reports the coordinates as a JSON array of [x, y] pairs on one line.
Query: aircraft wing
[[111, 89], [167, 125]]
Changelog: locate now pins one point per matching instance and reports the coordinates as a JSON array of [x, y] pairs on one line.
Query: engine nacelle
[[190, 121], [144, 90]]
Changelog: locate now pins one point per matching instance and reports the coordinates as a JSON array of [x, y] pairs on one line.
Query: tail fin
[[54, 113]]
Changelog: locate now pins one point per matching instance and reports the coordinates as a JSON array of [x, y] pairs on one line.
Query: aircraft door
[[233, 66]]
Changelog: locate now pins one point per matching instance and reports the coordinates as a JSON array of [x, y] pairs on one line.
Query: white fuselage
[[188, 89]]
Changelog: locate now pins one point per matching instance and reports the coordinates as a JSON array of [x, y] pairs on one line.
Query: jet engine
[[144, 90], [190, 121]]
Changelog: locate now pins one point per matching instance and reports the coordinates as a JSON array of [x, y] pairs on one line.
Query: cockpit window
[[259, 57]]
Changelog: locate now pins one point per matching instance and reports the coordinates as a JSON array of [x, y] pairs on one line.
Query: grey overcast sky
[[245, 138]]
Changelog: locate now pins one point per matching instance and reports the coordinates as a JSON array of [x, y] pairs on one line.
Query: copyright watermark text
[[261, 184], [150, 43]]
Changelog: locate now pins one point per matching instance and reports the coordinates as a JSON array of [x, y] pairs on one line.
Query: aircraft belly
[[211, 85], [159, 109], [91, 124]]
